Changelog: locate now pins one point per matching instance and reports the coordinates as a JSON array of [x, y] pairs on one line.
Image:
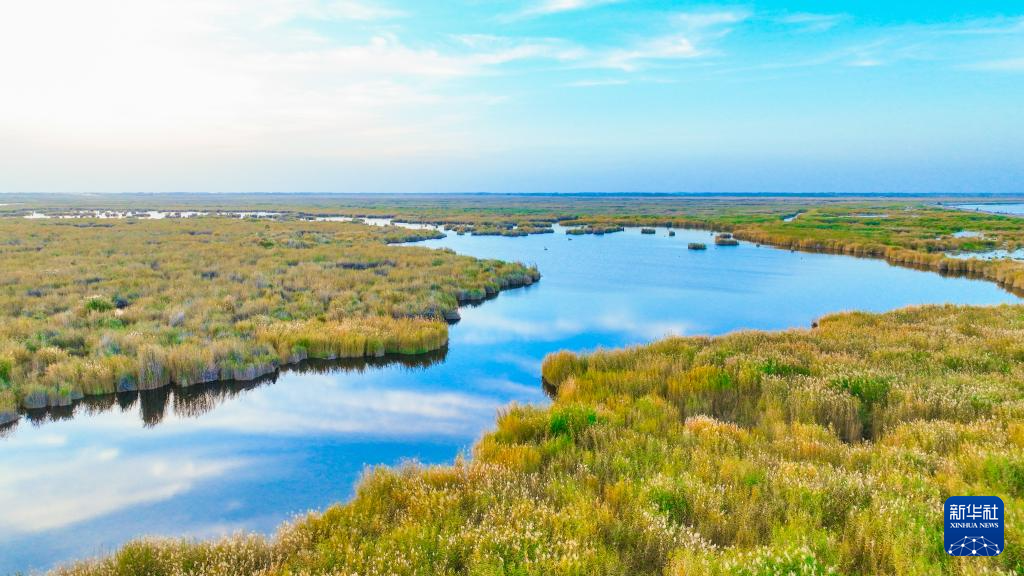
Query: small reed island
[[726, 239], [595, 230], [697, 246]]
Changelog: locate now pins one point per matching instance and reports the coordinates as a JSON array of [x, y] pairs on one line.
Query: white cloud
[[1004, 65], [269, 13], [810, 22], [384, 56], [985, 27], [122, 90], [352, 10], [665, 48], [702, 20], [865, 63], [689, 30], [597, 83], [492, 50], [129, 94], [545, 7], [221, 80]]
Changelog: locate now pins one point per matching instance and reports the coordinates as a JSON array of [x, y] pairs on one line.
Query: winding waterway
[[213, 460]]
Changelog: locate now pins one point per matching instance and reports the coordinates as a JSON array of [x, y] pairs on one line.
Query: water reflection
[[195, 401], [106, 480]]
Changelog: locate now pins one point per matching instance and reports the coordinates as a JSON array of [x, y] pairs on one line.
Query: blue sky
[[511, 95]]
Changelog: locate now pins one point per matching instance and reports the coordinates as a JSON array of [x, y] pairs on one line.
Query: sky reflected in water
[[212, 460]]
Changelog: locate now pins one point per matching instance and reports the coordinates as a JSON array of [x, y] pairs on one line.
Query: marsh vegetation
[[804, 452], [596, 230], [95, 307], [908, 231]]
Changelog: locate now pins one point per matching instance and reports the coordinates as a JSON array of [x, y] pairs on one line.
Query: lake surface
[[209, 461], [1016, 209]]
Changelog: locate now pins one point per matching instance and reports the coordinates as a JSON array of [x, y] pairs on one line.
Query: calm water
[[1016, 209], [215, 460]]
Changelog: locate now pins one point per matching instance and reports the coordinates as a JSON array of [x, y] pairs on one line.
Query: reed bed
[[820, 451], [905, 231], [92, 306], [595, 230], [1007, 273]]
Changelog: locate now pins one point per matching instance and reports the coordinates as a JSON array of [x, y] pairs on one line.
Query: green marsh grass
[[822, 451]]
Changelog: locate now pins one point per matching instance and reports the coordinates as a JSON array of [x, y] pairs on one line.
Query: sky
[[511, 96]]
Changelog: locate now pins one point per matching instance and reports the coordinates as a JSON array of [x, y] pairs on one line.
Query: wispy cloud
[[677, 47], [486, 49], [1004, 65], [357, 87], [597, 83], [708, 19], [353, 10], [678, 42], [545, 7], [985, 26], [383, 56], [809, 22], [865, 63], [963, 45], [690, 29], [270, 13]]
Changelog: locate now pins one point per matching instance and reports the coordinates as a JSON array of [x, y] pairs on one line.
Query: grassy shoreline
[[826, 450]]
